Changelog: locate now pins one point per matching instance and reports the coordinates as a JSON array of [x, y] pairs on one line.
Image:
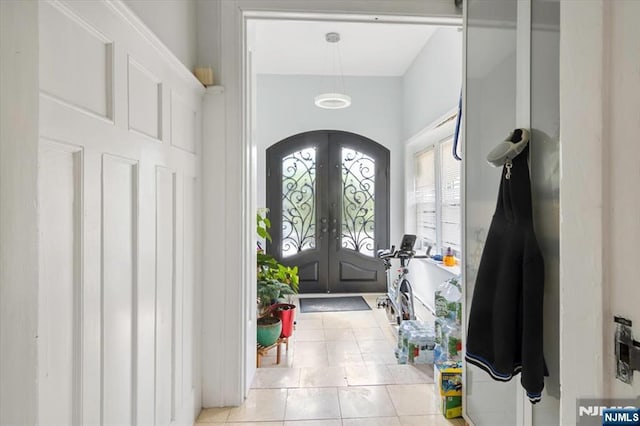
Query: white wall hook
[[509, 148]]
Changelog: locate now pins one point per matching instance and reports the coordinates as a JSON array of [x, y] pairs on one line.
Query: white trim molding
[[239, 154], [582, 56]]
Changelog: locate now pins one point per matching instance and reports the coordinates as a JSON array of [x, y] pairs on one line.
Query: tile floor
[[340, 370]]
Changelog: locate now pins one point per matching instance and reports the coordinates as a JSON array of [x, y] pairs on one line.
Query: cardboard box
[[451, 406], [448, 378]]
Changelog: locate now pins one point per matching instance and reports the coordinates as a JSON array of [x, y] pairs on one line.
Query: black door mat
[[333, 304]]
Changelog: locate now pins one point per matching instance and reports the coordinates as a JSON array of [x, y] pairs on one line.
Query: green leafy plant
[[263, 225], [275, 280]]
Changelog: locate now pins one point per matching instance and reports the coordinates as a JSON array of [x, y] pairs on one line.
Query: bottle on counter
[[449, 259]]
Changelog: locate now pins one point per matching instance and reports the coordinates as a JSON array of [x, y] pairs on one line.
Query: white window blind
[[425, 193], [450, 197], [437, 185]]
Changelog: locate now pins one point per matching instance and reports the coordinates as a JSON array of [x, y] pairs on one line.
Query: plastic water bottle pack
[[416, 341]]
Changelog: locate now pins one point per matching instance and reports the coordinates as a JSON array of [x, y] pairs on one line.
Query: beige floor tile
[[365, 401], [304, 316], [375, 421], [261, 405], [213, 415], [326, 422], [310, 360], [304, 347], [315, 377], [286, 359], [432, 420], [363, 375], [349, 318], [359, 315], [368, 333], [310, 354], [336, 322], [371, 298], [309, 324], [413, 400], [405, 374], [391, 334], [276, 378], [312, 403], [381, 314], [376, 346], [344, 359], [427, 369], [255, 424], [380, 358], [309, 335], [342, 347], [352, 351], [333, 334], [362, 322]]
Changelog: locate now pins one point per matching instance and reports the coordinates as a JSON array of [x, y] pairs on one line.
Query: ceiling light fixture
[[334, 98]]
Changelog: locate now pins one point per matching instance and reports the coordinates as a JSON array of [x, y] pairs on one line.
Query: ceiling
[[366, 49]]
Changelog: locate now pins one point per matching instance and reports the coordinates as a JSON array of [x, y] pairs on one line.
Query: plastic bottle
[[425, 352], [448, 258], [411, 345], [454, 343], [402, 356], [402, 348]]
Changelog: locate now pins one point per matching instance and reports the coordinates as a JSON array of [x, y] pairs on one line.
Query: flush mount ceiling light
[[334, 98]]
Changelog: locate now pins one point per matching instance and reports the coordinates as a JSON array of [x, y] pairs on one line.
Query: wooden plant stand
[[263, 350]]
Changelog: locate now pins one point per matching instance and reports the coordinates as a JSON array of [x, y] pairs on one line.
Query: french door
[[328, 200]]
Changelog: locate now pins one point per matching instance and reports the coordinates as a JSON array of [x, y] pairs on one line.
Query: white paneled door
[[118, 191]]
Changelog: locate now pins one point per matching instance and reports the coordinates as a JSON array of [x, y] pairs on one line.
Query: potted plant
[[274, 282]]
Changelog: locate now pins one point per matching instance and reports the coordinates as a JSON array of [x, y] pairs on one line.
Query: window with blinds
[[451, 214], [437, 185], [425, 196]]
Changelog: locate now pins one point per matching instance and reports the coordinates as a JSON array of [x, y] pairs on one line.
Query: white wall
[[599, 228], [285, 107], [581, 211], [173, 22], [100, 251], [621, 166], [431, 86], [209, 35], [18, 212]]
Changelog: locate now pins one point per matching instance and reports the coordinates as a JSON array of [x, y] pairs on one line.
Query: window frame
[[432, 137]]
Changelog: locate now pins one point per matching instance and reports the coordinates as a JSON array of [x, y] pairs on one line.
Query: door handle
[[334, 231]]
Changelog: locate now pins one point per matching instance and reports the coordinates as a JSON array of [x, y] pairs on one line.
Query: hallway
[[340, 370]]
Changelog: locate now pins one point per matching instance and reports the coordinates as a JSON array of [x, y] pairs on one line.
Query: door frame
[[524, 410], [238, 312]]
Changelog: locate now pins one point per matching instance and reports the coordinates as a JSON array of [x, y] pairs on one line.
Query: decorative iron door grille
[[328, 194]]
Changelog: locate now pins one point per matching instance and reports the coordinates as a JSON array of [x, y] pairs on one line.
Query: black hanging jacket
[[505, 322]]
